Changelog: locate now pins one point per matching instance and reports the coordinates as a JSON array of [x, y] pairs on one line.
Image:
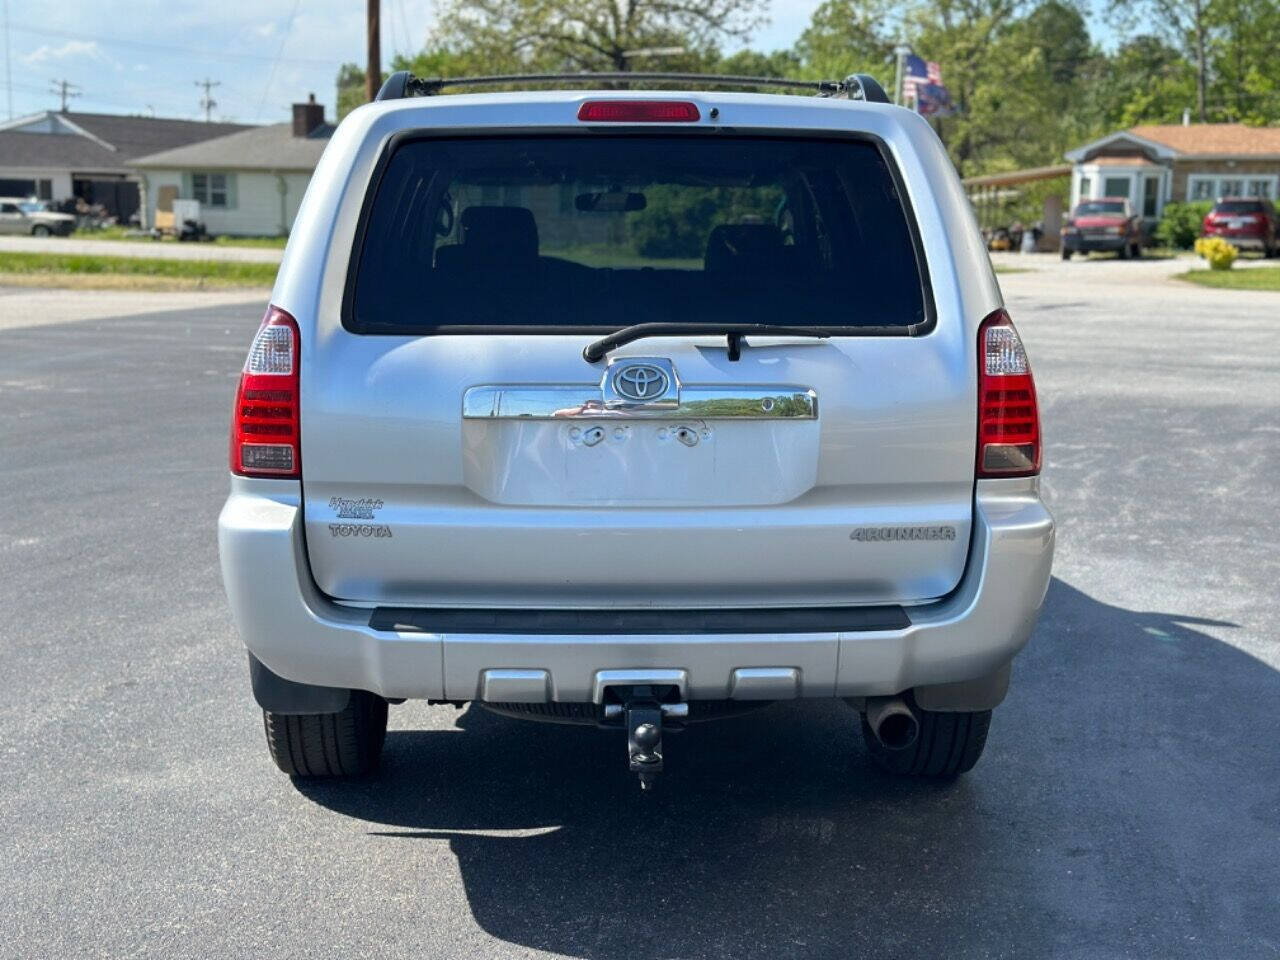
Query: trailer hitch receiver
[[642, 709]]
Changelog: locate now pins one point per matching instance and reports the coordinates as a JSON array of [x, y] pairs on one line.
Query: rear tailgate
[[458, 449]]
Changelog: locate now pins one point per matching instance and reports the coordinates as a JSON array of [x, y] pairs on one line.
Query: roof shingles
[[131, 137], [1215, 139], [258, 148]]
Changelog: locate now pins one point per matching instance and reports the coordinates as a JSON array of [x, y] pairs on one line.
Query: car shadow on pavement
[[1126, 805]]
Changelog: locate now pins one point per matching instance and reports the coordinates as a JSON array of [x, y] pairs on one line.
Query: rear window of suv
[[1238, 206], [559, 233]]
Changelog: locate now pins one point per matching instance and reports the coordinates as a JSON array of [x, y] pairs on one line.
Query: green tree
[[1243, 62], [968, 39], [1187, 24], [847, 36], [609, 35], [351, 92], [1145, 81]]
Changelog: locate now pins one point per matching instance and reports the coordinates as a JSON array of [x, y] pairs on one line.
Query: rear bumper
[[1078, 244], [302, 636], [1244, 241]]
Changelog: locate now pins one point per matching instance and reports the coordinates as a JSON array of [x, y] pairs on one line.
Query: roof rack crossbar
[[856, 87]]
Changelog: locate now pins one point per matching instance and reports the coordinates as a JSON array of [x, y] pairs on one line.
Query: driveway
[[1127, 805]]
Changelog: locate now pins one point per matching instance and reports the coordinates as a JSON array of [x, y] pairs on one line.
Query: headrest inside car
[[507, 232]]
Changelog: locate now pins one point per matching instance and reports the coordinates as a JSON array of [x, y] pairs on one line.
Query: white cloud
[[71, 49], [265, 29]]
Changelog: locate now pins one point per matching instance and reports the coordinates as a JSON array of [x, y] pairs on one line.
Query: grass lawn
[[1257, 278], [122, 233], [130, 273]]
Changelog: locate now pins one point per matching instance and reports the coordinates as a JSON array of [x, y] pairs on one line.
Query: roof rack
[[858, 86]]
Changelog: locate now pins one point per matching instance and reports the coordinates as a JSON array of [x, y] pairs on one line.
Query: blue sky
[[145, 56]]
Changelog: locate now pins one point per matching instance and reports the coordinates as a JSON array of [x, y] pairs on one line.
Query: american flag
[[917, 72], [922, 83]]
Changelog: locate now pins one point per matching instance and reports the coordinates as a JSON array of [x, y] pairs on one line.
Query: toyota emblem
[[641, 382]]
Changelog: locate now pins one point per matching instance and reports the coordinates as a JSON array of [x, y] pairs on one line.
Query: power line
[[66, 90], [288, 26], [207, 103]]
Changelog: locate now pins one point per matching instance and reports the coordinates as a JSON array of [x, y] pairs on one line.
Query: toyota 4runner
[[634, 409]]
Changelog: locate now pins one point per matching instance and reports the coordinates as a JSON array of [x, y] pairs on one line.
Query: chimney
[[307, 116]]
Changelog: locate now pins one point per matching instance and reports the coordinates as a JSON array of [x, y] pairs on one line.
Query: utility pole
[[66, 90], [207, 103], [900, 54], [373, 69]]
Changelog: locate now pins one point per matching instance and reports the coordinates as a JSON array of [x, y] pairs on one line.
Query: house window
[[210, 189], [1200, 188], [1086, 188], [1115, 187], [1207, 186]]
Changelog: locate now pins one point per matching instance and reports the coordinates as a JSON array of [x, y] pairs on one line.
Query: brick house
[[1155, 165]]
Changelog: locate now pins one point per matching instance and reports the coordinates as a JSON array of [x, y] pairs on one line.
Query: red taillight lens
[[265, 441], [1008, 416], [638, 111]]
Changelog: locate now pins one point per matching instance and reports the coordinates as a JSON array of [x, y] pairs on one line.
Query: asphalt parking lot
[[1128, 804]]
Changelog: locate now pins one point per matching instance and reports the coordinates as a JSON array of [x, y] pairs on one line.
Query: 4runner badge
[[885, 534], [349, 509]]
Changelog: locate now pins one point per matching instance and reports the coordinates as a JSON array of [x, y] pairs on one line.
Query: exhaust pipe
[[894, 723]]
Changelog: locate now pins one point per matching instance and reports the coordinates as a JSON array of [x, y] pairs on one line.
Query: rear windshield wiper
[[599, 349]]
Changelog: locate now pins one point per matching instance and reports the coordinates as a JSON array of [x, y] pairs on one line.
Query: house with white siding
[[249, 183], [65, 157]]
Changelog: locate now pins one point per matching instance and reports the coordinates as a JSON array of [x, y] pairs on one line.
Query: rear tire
[[345, 744], [949, 744], [40, 230]]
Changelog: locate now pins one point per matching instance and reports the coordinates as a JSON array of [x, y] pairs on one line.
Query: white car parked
[[635, 408], [27, 217]]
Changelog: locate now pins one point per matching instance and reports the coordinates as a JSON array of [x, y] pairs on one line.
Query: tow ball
[[642, 709]]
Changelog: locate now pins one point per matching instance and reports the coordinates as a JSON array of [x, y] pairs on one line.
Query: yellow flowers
[[1217, 251]]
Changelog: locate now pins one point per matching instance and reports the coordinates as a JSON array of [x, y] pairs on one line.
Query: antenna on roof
[[66, 90]]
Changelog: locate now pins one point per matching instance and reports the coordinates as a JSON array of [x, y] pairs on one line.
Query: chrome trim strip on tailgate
[[569, 402]]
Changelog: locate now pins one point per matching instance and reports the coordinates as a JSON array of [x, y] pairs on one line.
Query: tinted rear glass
[[1237, 206], [604, 231], [1099, 208]]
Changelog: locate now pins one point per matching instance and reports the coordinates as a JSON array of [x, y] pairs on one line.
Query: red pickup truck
[[1107, 223]]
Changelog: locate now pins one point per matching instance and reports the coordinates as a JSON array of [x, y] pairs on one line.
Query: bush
[[677, 219], [1217, 251], [1181, 223]]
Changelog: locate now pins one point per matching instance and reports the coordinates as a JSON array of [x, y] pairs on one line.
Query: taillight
[[265, 441], [1008, 416], [639, 111]]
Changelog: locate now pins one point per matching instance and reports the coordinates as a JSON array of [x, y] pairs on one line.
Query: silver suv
[[634, 409]]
